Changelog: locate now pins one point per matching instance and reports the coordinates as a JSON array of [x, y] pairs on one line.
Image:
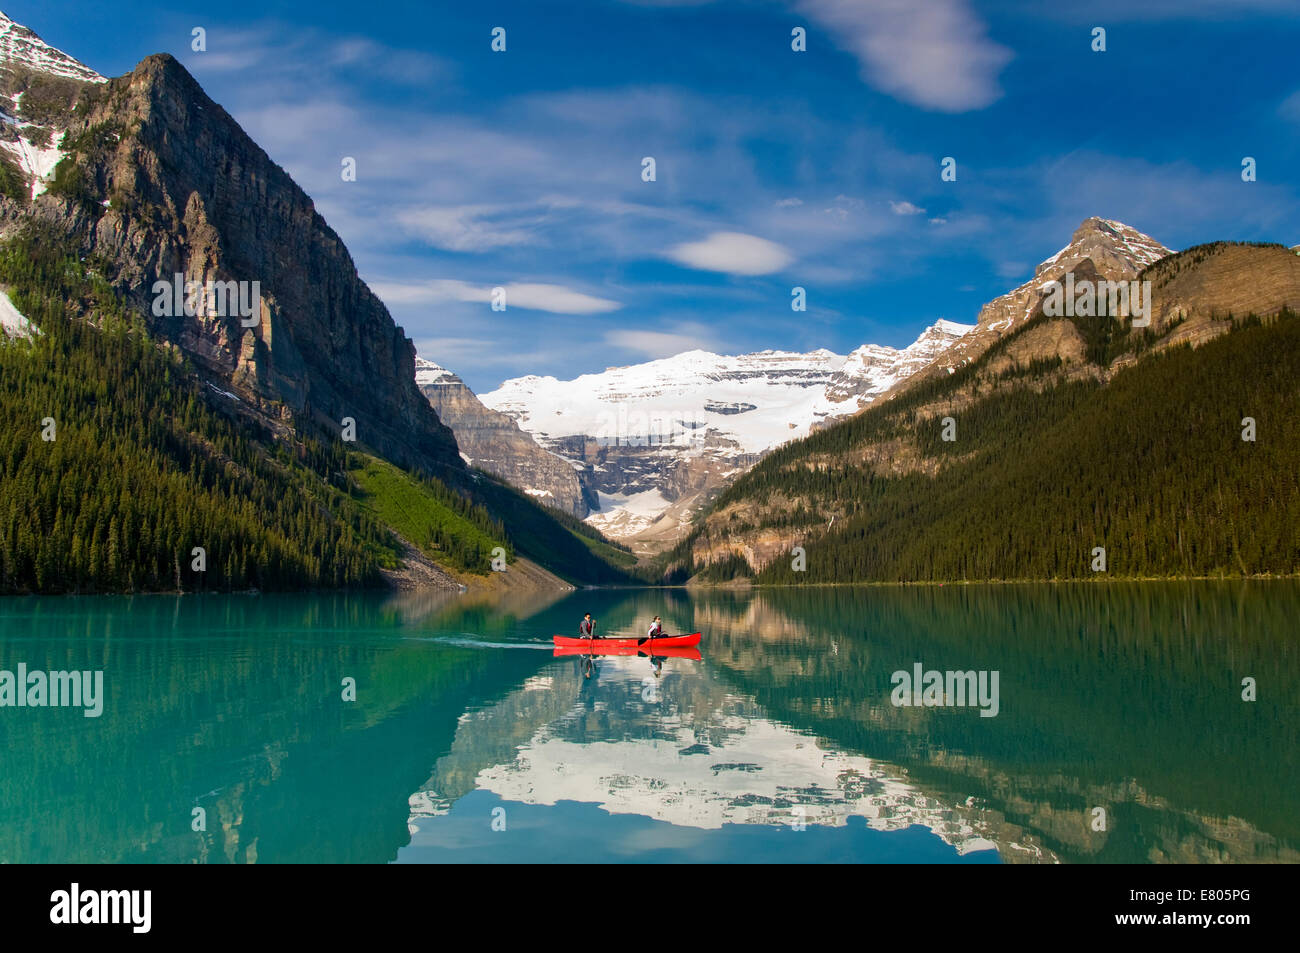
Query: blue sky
[[775, 169]]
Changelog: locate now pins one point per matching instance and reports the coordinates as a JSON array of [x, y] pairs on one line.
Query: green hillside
[[1046, 466], [444, 525]]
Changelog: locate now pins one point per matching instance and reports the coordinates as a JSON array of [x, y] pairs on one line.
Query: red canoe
[[662, 642], [655, 652]]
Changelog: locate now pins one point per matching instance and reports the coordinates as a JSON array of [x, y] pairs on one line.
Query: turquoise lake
[[1120, 734]]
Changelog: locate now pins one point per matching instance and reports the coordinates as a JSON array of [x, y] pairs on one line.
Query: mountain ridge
[[1117, 252]]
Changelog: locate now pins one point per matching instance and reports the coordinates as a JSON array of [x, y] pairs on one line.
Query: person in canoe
[[587, 627], [656, 629]]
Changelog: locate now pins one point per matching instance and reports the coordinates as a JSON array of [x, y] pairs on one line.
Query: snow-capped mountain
[[21, 48], [657, 439], [871, 370], [30, 68], [752, 401]]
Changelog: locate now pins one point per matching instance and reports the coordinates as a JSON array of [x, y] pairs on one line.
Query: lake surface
[[468, 741]]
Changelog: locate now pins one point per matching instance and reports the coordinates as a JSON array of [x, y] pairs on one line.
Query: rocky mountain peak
[[158, 181], [1112, 250], [427, 373], [1112, 246]]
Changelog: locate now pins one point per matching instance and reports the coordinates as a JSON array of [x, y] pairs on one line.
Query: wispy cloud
[[532, 296], [931, 53], [310, 56], [652, 345], [465, 228], [459, 353], [1290, 108]]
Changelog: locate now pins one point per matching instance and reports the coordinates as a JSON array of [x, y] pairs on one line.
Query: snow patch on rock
[[19, 46], [13, 323]]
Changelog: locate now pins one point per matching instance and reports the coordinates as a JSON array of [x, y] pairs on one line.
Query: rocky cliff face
[[493, 441], [1196, 289], [157, 180]]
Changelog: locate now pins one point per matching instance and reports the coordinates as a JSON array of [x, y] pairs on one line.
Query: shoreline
[[687, 586]]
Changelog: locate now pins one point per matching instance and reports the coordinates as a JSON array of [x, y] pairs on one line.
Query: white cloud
[[557, 299], [905, 208], [308, 56], [932, 53], [534, 296], [458, 353], [461, 228], [1290, 108], [734, 253]]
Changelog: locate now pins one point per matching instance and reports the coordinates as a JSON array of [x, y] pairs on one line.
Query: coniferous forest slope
[[145, 461], [1068, 435]]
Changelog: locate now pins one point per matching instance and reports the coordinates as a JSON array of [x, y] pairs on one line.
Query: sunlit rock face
[[167, 184], [494, 442]]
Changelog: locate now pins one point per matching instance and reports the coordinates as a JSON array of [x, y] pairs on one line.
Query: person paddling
[[656, 629], [587, 627]]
